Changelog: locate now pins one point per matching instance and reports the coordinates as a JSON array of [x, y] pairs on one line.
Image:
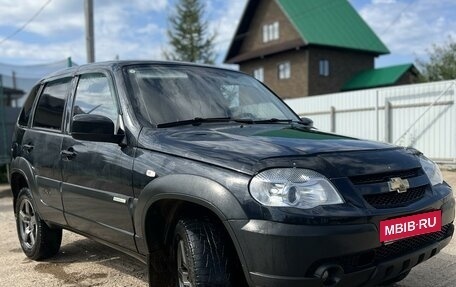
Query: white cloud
[[225, 23], [150, 5], [41, 53], [150, 29], [411, 32], [383, 2], [60, 30], [56, 17]]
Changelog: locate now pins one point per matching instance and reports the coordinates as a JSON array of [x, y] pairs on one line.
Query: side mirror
[[96, 128], [307, 122]]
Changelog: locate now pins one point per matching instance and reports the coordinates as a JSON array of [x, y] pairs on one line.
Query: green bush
[[3, 178]]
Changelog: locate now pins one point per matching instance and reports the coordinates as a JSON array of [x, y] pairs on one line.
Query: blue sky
[[136, 29]]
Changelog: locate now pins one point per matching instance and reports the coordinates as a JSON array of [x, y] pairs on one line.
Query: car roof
[[112, 65]]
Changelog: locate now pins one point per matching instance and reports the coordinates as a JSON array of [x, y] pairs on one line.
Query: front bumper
[[279, 254]]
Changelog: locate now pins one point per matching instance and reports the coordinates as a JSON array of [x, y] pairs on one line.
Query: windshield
[[165, 94]]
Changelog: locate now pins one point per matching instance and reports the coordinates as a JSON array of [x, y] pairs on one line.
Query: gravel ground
[[82, 262]]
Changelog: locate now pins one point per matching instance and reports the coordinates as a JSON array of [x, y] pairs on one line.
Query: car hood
[[245, 147]]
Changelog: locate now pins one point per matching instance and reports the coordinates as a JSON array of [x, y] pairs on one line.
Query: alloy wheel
[[27, 223], [182, 266]]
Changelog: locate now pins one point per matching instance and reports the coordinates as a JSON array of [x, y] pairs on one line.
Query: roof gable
[[333, 23], [380, 77]]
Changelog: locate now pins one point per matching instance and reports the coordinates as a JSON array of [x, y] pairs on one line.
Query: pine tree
[[188, 35]]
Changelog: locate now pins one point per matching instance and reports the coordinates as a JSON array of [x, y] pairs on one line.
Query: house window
[[284, 70], [324, 68], [270, 32], [259, 74]]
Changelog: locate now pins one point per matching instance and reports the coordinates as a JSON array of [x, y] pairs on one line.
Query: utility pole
[[90, 40]]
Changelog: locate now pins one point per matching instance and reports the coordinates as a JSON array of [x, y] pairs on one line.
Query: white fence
[[421, 115]]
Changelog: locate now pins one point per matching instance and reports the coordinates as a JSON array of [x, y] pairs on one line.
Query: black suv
[[209, 178]]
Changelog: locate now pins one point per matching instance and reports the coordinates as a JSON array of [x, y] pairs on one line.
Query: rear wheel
[[203, 256], [38, 240]]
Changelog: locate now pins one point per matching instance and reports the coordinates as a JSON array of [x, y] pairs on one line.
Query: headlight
[[432, 170], [293, 187]]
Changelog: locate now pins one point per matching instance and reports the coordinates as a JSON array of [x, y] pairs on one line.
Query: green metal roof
[[377, 77], [332, 23]]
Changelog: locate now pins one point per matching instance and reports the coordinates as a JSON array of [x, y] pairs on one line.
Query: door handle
[[68, 154], [27, 147]]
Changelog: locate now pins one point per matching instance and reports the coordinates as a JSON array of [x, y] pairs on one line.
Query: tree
[[441, 64], [188, 35]]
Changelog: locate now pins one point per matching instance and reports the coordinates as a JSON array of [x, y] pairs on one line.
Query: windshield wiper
[[294, 123], [195, 121], [266, 121], [198, 120]]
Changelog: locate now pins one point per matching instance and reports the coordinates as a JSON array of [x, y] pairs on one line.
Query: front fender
[[195, 189]]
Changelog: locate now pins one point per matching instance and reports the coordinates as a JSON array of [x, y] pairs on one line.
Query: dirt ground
[[82, 262]]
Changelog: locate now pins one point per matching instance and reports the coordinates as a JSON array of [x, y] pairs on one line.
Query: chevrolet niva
[[205, 175]]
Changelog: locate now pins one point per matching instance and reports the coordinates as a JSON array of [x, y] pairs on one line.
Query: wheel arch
[[167, 197], [21, 176]]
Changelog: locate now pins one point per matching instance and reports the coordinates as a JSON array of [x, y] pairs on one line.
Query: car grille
[[411, 244], [394, 199], [384, 177], [389, 199], [355, 262]]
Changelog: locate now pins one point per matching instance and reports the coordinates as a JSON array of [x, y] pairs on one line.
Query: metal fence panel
[[421, 115], [5, 144]]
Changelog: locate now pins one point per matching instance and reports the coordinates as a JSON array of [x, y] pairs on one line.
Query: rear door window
[[28, 105], [50, 107]]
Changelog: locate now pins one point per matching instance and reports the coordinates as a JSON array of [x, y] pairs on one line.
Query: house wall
[[407, 78], [305, 79], [296, 86], [268, 12], [343, 65]]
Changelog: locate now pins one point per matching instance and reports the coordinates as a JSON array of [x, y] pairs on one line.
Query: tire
[[203, 256], [396, 279], [38, 240]]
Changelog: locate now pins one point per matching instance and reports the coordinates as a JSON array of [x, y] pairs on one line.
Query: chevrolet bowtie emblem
[[398, 184]]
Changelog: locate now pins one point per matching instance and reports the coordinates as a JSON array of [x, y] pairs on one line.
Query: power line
[[397, 17], [26, 23]]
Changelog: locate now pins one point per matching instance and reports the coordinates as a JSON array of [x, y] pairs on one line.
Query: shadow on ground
[[5, 192], [89, 251]]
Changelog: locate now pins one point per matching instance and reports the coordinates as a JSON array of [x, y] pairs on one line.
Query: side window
[[259, 74], [27, 109], [324, 68], [94, 96], [49, 110], [284, 70], [270, 32]]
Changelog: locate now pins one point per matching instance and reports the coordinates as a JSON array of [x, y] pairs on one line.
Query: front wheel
[[38, 240], [203, 255]]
